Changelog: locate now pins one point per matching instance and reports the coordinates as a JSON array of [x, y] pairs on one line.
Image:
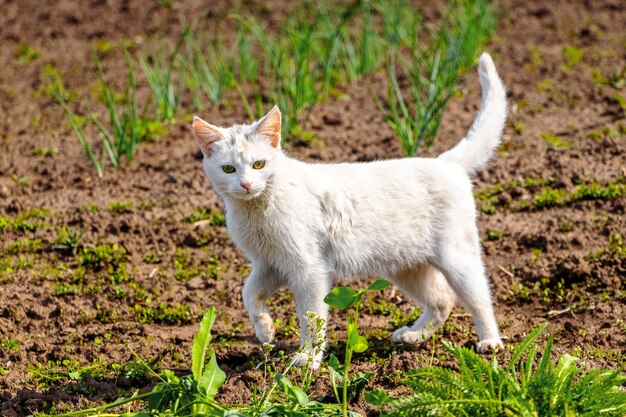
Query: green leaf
[[357, 342], [295, 394], [212, 378], [201, 343], [378, 285], [342, 297], [377, 397]]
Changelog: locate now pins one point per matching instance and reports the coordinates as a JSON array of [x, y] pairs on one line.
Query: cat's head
[[241, 161]]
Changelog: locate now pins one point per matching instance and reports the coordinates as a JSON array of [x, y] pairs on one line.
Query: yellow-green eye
[[258, 164], [229, 169]]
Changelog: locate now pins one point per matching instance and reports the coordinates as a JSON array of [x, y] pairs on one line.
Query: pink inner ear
[[270, 127], [206, 135]]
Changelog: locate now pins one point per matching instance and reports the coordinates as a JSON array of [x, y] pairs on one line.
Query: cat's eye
[[258, 164], [229, 169]]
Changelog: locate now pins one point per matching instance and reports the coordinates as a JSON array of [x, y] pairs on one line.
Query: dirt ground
[[563, 264]]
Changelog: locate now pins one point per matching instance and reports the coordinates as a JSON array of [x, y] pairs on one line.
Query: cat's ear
[[269, 126], [206, 134]]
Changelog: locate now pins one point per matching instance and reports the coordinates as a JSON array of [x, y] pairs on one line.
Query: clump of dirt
[[93, 269]]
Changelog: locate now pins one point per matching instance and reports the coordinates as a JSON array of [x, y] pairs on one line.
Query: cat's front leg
[[309, 292], [259, 286]]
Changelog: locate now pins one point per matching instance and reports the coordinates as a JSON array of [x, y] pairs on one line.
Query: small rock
[[332, 119], [4, 191], [195, 283]]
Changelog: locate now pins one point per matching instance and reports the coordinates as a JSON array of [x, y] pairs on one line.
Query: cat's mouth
[[247, 194]]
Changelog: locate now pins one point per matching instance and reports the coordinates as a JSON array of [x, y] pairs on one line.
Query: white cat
[[410, 220]]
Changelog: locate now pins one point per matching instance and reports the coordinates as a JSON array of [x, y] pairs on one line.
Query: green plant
[[97, 257], [204, 69], [616, 79], [526, 387], [573, 56], [26, 53], [120, 206], [190, 395], [343, 298], [212, 217], [432, 73], [555, 141], [20, 180], [126, 128], [159, 72], [68, 240], [549, 197], [47, 151], [9, 344]]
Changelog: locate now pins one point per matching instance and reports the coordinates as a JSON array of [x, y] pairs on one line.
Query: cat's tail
[[475, 150]]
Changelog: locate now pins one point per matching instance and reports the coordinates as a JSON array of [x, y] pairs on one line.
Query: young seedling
[[343, 298]]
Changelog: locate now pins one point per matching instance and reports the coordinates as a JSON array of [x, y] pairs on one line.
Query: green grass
[[161, 72], [433, 71], [123, 129], [205, 74], [313, 52]]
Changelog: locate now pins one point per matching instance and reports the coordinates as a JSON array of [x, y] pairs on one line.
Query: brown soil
[[541, 266]]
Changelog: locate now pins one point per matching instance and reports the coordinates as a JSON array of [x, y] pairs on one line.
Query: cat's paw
[[489, 345], [307, 359], [264, 328], [407, 336]]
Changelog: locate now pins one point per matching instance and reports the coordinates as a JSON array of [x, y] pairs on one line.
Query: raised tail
[[475, 150]]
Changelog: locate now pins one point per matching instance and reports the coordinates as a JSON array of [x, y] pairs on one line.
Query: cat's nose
[[245, 184]]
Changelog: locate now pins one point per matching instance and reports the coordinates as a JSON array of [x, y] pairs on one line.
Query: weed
[[204, 69], [20, 181], [573, 56], [26, 53], [525, 387], [615, 250], [621, 101], [549, 197], [163, 313], [9, 344], [432, 74], [159, 72], [343, 298], [544, 85], [536, 58], [616, 79], [213, 218], [24, 246], [494, 234], [594, 191], [555, 141], [99, 257], [287, 329], [68, 241], [518, 128], [120, 206], [566, 227], [126, 127], [47, 151], [152, 257]]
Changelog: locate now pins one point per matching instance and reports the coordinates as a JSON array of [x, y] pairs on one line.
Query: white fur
[[409, 220]]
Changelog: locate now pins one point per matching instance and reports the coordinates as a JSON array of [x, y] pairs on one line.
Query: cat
[[410, 220]]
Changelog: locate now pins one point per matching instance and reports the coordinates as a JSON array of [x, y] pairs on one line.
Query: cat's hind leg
[[428, 288], [259, 286], [462, 265]]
